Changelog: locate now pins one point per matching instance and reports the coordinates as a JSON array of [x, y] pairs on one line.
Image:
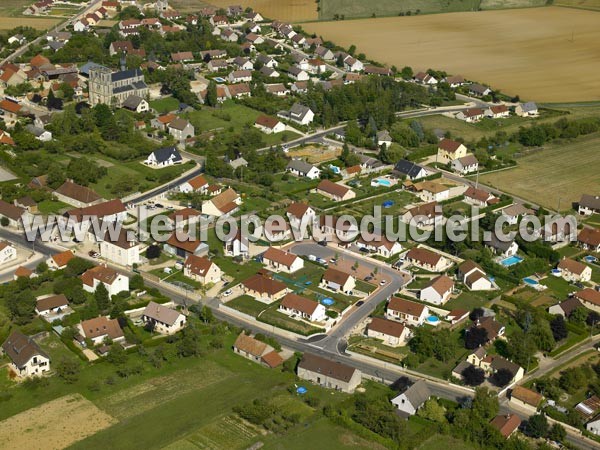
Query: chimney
[[123, 62]]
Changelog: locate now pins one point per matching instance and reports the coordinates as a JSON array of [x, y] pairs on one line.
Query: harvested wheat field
[[8, 23], [545, 54], [315, 154], [54, 425], [286, 10]]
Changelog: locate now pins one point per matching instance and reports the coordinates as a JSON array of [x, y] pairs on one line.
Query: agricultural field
[[545, 54], [583, 4], [13, 7], [561, 171], [42, 23], [73, 418], [286, 10], [361, 8]]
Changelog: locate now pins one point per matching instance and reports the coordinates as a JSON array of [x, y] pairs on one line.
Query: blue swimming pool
[[381, 182], [433, 319], [511, 261], [530, 281], [301, 390], [219, 79], [387, 204], [590, 259], [328, 301]]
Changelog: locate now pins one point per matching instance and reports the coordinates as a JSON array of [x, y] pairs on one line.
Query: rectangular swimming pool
[[511, 261]]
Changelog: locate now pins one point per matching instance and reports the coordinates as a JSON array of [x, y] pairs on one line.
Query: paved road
[[21, 50], [395, 281], [145, 196]]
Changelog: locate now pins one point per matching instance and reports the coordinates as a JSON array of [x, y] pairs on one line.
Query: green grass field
[[165, 105], [583, 4], [561, 172], [360, 8]]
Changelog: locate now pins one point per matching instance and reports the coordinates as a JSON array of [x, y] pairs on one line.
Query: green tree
[[117, 355], [537, 426], [211, 94], [485, 403], [432, 410], [101, 297], [67, 369]]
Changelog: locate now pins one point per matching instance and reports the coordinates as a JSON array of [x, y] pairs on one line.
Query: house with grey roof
[[27, 358], [162, 319], [299, 114], [528, 109], [163, 157], [329, 374], [589, 204], [136, 104], [412, 399], [410, 170], [301, 168]]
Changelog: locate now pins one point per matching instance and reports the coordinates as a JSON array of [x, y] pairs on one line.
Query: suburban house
[[180, 129], [202, 269], [473, 276], [412, 399], [281, 261], [324, 53], [297, 306], [502, 248], [525, 398], [430, 191], [514, 212], [51, 305], [269, 125], [494, 329], [8, 252], [26, 356], [425, 215], [196, 184], [299, 213], [449, 150], [24, 272], [410, 313], [471, 115], [100, 329], [109, 211], [13, 213], [588, 407], [113, 281], [426, 259], [589, 298], [256, 351], [136, 104], [338, 281], [566, 307], [425, 78], [236, 246], [593, 426], [76, 195], [163, 157], [335, 191], [298, 74], [390, 332], [492, 364], [183, 246], [455, 81], [329, 374], [264, 288], [384, 138], [380, 245], [59, 260], [478, 90], [589, 239], [497, 112], [122, 251], [301, 168], [224, 204], [299, 114], [589, 204], [479, 197], [574, 271], [466, 164], [506, 424], [528, 109], [438, 290], [163, 320]]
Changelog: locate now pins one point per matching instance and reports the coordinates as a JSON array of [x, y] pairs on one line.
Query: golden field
[[548, 54], [285, 10], [42, 23]]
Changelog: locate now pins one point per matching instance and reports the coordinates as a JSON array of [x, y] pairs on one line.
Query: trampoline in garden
[[301, 390], [388, 204]]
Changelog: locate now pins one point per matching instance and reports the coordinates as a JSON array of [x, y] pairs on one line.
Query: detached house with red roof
[[202, 269], [225, 204], [8, 252], [392, 333], [113, 281], [27, 359], [300, 307], [426, 259], [335, 191], [269, 125], [264, 288], [100, 329], [589, 239], [121, 250], [282, 261], [410, 313], [589, 298], [338, 281], [257, 351], [196, 184], [59, 260], [437, 291], [449, 150]]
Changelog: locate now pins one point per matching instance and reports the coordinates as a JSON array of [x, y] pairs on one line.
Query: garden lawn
[[165, 105]]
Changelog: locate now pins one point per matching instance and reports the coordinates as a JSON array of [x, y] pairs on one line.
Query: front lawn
[[165, 105]]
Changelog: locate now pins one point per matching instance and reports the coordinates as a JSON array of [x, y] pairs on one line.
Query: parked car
[[227, 293], [94, 254], [323, 243], [359, 303], [368, 278], [312, 258], [382, 283]]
